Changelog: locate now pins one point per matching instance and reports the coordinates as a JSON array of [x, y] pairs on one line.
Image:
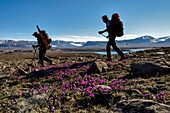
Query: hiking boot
[[109, 59], [51, 63], [122, 58]]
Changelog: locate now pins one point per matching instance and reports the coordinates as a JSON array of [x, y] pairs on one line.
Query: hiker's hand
[[100, 32], [33, 46]]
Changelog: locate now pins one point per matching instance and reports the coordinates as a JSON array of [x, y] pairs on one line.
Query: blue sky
[[80, 20]]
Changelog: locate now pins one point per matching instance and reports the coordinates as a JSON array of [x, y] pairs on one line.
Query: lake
[[114, 52]]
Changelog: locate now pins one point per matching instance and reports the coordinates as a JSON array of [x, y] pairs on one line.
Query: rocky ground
[[86, 83]]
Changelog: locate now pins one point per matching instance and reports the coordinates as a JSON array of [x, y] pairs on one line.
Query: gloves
[[100, 32], [34, 46]]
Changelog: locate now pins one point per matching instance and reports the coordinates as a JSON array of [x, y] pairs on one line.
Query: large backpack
[[120, 29], [46, 40], [117, 25], [49, 40]]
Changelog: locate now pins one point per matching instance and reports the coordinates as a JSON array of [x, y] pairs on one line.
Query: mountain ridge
[[143, 41]]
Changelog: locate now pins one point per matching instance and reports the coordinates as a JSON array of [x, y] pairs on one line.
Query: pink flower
[[157, 96], [147, 81], [147, 95], [20, 93], [164, 101], [91, 95]]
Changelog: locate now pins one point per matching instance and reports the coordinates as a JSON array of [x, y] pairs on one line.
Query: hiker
[[111, 28], [42, 49]]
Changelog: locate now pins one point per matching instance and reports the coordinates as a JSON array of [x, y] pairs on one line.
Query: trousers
[[42, 52], [112, 43]]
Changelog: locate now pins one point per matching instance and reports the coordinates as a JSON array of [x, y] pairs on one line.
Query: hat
[[105, 17], [35, 33]]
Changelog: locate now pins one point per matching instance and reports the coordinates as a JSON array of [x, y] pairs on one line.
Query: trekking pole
[[119, 41], [104, 35], [37, 56]]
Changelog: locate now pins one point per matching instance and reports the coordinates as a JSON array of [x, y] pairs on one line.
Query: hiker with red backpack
[[114, 28], [42, 48]]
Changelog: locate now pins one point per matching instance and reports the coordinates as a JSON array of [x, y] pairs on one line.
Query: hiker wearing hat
[[111, 28], [42, 49]]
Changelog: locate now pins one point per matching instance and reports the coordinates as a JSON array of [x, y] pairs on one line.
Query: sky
[[80, 20]]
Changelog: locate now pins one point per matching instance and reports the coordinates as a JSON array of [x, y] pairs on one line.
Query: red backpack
[[117, 25]]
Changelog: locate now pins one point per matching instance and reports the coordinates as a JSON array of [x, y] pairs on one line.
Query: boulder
[[4, 76], [140, 106], [164, 61], [160, 53], [33, 103], [149, 69], [97, 67], [104, 86]]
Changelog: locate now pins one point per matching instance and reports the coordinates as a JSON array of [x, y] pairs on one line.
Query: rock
[[3, 82], [4, 76], [129, 55], [67, 109], [97, 67], [104, 86], [103, 99], [160, 53], [162, 60], [167, 55], [160, 82], [80, 59], [77, 65], [98, 110], [21, 71], [160, 86], [31, 104], [38, 99], [141, 106], [148, 69]]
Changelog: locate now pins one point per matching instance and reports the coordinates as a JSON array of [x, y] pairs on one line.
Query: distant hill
[[144, 41], [95, 44], [13, 43]]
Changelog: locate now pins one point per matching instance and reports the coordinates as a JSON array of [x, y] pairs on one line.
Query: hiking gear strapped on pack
[[117, 25], [46, 40]]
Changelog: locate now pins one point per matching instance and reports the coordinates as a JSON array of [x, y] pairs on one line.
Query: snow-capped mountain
[[143, 41]]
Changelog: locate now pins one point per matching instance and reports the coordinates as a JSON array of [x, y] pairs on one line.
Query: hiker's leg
[[108, 49], [46, 58], [117, 49], [41, 55]]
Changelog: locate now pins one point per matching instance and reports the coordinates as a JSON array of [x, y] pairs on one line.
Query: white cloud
[[77, 38], [127, 37], [20, 33], [76, 44]]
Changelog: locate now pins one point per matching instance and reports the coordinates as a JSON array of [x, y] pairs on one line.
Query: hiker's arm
[[36, 45], [100, 32]]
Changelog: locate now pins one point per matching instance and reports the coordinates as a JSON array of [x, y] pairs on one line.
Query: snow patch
[[76, 44], [154, 41], [54, 45], [162, 39]]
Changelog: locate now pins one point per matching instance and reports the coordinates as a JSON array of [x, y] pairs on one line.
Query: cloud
[[20, 33], [77, 38], [127, 36]]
